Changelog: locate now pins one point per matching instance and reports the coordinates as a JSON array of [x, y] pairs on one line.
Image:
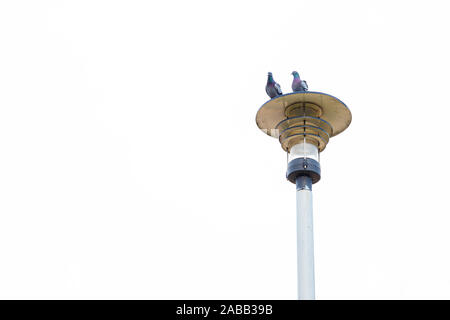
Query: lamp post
[[304, 122]]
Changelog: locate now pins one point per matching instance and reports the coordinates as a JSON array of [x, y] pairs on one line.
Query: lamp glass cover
[[303, 150]]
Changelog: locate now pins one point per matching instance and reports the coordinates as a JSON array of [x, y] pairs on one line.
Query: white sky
[[131, 165]]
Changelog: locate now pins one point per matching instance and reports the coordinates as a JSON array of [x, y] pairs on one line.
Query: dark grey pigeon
[[273, 89], [298, 85]]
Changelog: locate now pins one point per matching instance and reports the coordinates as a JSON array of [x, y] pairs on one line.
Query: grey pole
[[305, 239]]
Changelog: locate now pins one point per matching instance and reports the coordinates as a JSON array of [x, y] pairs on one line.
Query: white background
[[131, 165]]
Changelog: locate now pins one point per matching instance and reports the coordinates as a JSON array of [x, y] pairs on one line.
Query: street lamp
[[304, 122]]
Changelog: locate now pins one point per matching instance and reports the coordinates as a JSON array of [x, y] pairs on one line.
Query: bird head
[[295, 74], [269, 77]]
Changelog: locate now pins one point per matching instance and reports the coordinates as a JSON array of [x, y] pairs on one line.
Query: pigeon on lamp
[[273, 89], [298, 85]]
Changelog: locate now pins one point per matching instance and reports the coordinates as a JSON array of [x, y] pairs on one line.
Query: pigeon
[[298, 85], [273, 89]]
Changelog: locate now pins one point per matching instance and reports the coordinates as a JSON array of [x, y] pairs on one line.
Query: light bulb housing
[[303, 122]]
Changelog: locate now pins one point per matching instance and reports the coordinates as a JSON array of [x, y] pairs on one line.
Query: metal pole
[[305, 239]]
